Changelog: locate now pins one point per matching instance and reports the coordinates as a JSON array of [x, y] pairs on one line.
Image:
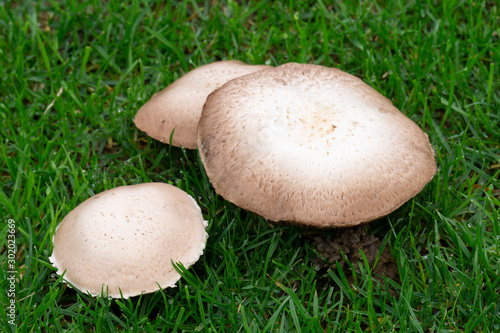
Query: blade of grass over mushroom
[[429, 59]]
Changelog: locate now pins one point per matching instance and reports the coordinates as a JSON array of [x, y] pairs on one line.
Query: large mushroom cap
[[311, 145], [126, 239], [179, 105]]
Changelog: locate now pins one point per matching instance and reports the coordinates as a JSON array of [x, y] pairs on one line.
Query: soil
[[349, 241]]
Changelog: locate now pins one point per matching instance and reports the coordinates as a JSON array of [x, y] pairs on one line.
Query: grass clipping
[[346, 245]]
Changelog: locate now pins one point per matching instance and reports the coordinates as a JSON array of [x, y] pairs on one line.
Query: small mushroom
[[125, 239], [178, 107], [311, 145]]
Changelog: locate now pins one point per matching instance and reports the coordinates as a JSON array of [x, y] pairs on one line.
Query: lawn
[[74, 73]]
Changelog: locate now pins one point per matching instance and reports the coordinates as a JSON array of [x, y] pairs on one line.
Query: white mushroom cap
[[179, 105], [126, 239], [311, 145]]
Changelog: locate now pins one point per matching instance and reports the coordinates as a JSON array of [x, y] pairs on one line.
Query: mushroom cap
[[311, 145], [179, 105], [126, 239]]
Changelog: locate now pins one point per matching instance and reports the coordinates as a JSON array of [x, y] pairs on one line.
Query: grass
[[74, 73]]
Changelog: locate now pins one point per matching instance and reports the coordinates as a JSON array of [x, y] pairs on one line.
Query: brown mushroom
[[125, 240], [311, 145], [178, 107]]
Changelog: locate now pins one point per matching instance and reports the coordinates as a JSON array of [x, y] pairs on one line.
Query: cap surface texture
[[179, 105], [126, 239], [311, 145]]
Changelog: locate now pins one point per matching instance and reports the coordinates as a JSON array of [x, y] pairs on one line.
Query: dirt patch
[[349, 241]]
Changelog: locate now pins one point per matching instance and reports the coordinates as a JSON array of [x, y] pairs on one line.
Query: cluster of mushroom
[[300, 143]]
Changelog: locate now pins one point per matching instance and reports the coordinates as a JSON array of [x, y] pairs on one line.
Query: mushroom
[[311, 145], [126, 239], [178, 106]]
